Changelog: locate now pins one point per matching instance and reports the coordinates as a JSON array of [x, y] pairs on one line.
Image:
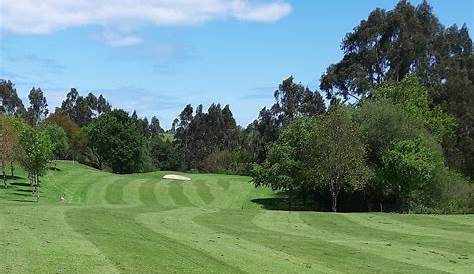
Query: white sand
[[176, 177]]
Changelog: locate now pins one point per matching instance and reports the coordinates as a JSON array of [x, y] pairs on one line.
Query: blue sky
[[155, 56]]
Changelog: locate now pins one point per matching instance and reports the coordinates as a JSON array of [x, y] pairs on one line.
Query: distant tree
[[102, 105], [10, 103], [38, 109], [80, 150], [164, 154], [261, 132], [155, 128], [65, 123], [59, 140], [81, 110], [204, 133], [115, 139], [292, 100]]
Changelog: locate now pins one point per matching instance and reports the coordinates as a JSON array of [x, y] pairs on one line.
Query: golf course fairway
[[141, 223]]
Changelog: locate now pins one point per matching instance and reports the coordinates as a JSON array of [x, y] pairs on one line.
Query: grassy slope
[[141, 224]]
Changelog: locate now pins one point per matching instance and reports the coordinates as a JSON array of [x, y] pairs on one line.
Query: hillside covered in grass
[[140, 223]]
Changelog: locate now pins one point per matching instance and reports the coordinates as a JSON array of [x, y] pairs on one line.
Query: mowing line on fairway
[[390, 249], [178, 224]]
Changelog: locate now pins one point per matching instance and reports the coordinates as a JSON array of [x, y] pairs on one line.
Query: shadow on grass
[[23, 190], [20, 184], [22, 194], [9, 177], [23, 201], [54, 168], [283, 203]]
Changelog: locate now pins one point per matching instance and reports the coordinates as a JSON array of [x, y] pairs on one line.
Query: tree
[[37, 152], [9, 146], [115, 139], [410, 165], [337, 155], [204, 133], [412, 97], [81, 109], [163, 154], [292, 100], [285, 167], [38, 109], [59, 140], [155, 128], [391, 45], [10, 103]]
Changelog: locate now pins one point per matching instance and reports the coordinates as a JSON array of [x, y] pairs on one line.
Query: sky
[[156, 56]]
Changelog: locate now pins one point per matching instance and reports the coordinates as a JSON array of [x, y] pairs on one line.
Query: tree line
[[390, 129]]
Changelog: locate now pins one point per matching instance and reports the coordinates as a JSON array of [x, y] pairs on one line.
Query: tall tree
[[155, 128], [81, 109], [390, 45], [292, 100], [10, 103], [38, 109]]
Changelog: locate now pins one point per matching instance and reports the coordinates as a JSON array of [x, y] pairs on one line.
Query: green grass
[[140, 223]]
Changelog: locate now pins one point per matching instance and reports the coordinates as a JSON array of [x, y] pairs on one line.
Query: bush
[[457, 193], [228, 162]]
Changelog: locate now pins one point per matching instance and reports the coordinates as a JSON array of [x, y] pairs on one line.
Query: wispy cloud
[[42, 63], [259, 93], [47, 16], [119, 39]]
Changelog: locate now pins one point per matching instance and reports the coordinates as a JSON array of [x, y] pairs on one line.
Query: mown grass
[[140, 223]]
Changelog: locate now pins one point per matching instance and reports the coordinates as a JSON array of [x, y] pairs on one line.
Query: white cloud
[[119, 39], [47, 16]]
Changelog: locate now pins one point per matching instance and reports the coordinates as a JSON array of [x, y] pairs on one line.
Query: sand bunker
[[176, 177]]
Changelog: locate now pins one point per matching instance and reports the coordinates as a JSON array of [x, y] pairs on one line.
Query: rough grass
[[140, 223]]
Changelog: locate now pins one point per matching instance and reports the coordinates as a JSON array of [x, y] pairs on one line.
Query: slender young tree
[[9, 147]]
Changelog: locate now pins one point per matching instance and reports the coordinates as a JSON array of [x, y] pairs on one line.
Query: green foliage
[[409, 166], [337, 155], [163, 154], [324, 153], [10, 103], [292, 100], [228, 162], [285, 167], [58, 138], [38, 109], [200, 135], [115, 140], [412, 97], [454, 194], [37, 150], [81, 110]]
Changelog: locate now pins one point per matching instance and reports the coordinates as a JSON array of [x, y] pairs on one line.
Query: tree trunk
[[289, 199], [334, 192], [4, 172], [334, 202]]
